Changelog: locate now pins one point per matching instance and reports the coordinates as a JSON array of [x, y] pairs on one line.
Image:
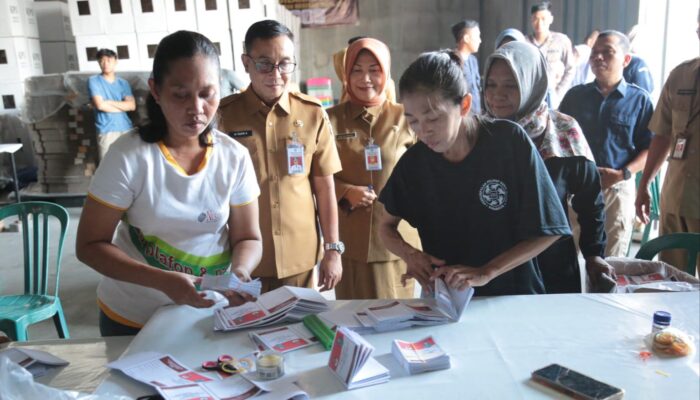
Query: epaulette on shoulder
[[229, 99], [306, 98]]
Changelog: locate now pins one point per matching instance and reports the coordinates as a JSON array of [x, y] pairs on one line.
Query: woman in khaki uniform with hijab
[[371, 135]]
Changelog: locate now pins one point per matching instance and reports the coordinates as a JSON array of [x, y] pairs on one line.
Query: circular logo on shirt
[[494, 194]]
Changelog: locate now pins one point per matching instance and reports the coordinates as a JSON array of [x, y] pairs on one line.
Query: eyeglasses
[[265, 67]]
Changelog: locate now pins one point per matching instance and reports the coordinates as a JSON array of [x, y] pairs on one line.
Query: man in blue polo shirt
[[468, 38], [614, 116], [112, 99]]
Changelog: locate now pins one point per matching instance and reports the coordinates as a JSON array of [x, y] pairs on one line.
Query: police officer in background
[[291, 144]]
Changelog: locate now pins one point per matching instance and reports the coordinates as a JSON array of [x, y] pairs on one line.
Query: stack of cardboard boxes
[[20, 53], [56, 37]]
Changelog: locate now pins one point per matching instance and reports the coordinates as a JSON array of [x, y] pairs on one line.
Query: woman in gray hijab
[[515, 88], [509, 35]]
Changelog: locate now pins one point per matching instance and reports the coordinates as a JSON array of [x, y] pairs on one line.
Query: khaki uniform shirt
[[558, 52], [354, 125], [291, 242], [677, 115]]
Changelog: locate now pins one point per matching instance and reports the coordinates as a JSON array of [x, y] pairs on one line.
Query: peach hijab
[[381, 52]]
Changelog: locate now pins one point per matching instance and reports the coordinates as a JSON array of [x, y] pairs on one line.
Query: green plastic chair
[[687, 241], [17, 312], [654, 188]]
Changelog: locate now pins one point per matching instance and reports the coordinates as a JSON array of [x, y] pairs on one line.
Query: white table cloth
[[494, 348]]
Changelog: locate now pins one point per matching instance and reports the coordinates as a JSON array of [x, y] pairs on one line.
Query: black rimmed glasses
[[265, 67]]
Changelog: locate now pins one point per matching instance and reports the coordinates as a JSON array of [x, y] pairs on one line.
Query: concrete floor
[[78, 283]]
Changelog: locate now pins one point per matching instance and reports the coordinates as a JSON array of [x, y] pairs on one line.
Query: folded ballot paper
[[37, 362], [283, 339], [444, 305], [285, 304], [229, 281], [351, 361], [175, 381], [421, 356]]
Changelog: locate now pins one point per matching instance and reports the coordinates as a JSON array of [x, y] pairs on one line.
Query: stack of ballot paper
[[37, 362], [421, 356], [229, 281], [444, 305], [174, 381], [284, 304], [351, 361], [283, 339]]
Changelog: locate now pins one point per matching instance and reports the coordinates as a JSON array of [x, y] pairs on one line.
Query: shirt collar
[[358, 111], [254, 104], [620, 88]]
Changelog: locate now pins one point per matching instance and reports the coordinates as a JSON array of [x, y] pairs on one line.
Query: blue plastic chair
[[17, 312], [688, 241]]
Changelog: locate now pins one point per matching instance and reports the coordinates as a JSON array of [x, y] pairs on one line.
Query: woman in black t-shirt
[[477, 191]]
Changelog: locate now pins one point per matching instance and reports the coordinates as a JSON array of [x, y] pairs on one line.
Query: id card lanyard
[[373, 156], [295, 156]]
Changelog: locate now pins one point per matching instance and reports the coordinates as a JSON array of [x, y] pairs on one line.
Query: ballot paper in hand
[[351, 361], [441, 306], [37, 362], [421, 356], [229, 281]]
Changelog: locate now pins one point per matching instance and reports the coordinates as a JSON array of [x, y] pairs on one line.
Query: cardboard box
[[180, 15], [124, 44], [117, 16], [222, 41], [148, 42], [11, 18], [86, 17], [212, 15], [31, 28], [59, 57], [11, 97], [18, 59], [54, 22], [149, 15]]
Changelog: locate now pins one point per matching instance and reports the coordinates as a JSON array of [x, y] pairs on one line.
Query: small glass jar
[[269, 365], [662, 320]]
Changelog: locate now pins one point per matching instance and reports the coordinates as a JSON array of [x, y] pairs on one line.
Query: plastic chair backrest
[[687, 241], [34, 216]]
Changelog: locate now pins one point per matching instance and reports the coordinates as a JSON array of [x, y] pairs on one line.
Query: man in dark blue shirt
[[614, 116], [468, 38]]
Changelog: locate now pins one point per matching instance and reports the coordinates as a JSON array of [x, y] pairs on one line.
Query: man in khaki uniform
[[274, 124], [676, 124]]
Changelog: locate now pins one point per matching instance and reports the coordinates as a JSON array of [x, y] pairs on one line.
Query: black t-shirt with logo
[[471, 211]]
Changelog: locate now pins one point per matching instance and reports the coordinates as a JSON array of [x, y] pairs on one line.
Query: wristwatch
[[337, 246], [626, 174]]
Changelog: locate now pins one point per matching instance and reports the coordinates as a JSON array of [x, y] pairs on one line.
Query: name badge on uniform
[[679, 148], [240, 134], [295, 156], [345, 136], [373, 156]]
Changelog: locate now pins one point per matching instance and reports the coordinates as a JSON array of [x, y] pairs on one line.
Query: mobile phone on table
[[576, 384]]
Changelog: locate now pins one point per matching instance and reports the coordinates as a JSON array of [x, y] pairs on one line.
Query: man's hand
[[461, 277], [181, 290], [331, 270], [360, 196], [597, 266], [642, 204], [419, 265], [610, 176]]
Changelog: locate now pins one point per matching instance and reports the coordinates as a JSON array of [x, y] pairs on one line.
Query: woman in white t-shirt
[[180, 195]]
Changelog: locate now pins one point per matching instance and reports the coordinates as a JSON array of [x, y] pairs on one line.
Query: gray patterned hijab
[[530, 70]]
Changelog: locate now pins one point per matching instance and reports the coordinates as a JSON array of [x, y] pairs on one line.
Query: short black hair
[[622, 40], [265, 29], [461, 26], [541, 6], [105, 53]]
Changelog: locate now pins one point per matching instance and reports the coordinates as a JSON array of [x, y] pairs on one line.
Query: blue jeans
[[110, 327]]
